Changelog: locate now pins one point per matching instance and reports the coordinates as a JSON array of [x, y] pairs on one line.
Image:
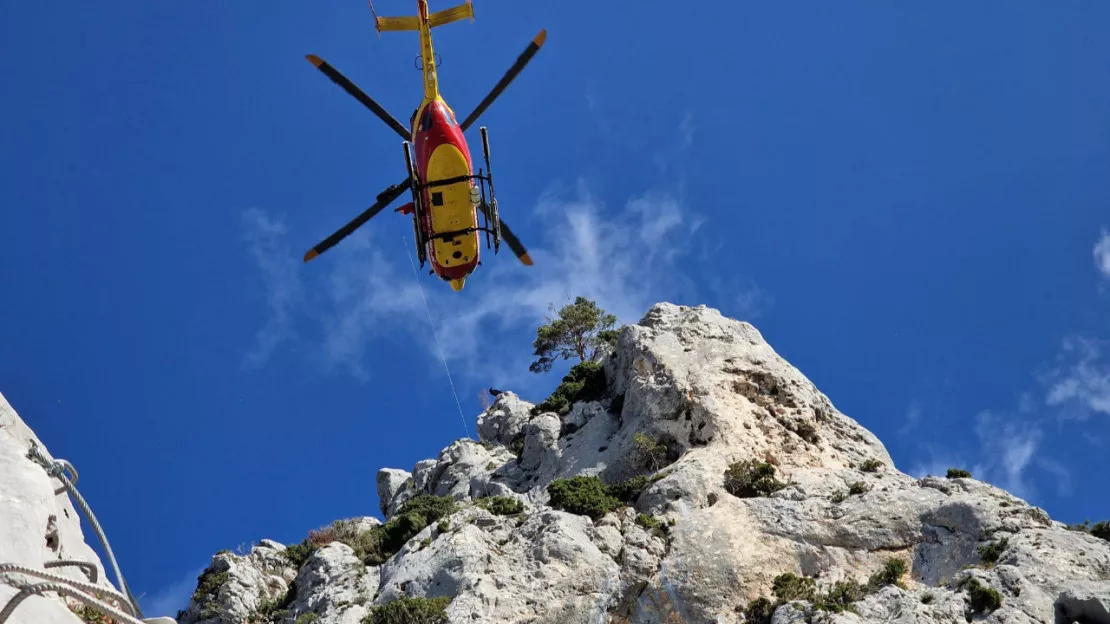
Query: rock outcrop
[[707, 481]]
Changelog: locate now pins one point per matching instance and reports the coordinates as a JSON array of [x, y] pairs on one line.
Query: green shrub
[[582, 495], [871, 465], [957, 473], [412, 518], [208, 585], [651, 523], [891, 574], [750, 478], [859, 487], [589, 496], [1101, 530], [927, 598], [650, 454], [410, 611], [759, 611], [376, 545], [789, 586], [838, 496], [500, 505], [584, 382], [840, 596], [629, 490], [89, 615], [297, 554], [990, 553], [307, 618], [983, 598]]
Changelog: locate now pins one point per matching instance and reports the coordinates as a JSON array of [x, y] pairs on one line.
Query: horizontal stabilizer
[[398, 23], [454, 14]]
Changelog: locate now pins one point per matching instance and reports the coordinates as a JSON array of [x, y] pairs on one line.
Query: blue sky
[[911, 202]]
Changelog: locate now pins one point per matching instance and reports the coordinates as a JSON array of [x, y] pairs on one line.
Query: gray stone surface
[[711, 392]]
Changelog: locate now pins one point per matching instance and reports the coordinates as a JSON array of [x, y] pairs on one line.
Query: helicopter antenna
[[375, 14]]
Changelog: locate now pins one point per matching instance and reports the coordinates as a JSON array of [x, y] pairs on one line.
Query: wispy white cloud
[[741, 297], [686, 128], [1008, 446], [1101, 253], [1062, 474], [167, 601], [1006, 451], [936, 463], [1080, 383], [625, 259], [912, 418], [265, 237]]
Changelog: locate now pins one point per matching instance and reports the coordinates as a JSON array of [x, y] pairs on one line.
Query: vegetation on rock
[[206, 593], [871, 465], [750, 478], [990, 553], [650, 454], [500, 505], [584, 382], [859, 487], [410, 611], [581, 329], [982, 598], [958, 473], [589, 496], [376, 545], [839, 597], [1100, 529]]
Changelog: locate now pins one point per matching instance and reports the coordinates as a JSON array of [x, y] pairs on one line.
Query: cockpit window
[[448, 116]]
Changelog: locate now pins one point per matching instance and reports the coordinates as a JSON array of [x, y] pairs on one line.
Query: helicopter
[[447, 194]]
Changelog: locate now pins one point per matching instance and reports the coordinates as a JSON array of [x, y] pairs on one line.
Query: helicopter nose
[[457, 284]]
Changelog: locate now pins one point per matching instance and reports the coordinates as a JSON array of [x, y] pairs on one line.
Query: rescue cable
[[442, 357]]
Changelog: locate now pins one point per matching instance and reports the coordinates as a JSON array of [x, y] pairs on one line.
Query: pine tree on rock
[[581, 329]]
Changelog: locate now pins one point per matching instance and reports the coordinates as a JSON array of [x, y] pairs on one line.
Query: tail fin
[[454, 14], [397, 23], [439, 18]]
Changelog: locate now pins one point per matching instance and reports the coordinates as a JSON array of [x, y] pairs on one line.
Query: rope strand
[[57, 469], [442, 357]]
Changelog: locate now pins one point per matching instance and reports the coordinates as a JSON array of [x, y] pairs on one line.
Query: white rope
[[442, 357], [88, 588], [61, 588], [58, 468]]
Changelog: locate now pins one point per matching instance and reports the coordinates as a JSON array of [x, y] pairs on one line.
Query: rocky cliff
[[48, 573], [692, 476]]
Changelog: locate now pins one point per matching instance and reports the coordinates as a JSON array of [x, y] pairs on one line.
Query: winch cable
[[87, 593], [442, 357]]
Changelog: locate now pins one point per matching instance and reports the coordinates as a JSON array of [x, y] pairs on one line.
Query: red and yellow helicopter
[[447, 194]]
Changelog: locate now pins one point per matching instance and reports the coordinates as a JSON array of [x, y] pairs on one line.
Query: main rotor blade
[[521, 61], [359, 95], [384, 199], [514, 244], [510, 238]]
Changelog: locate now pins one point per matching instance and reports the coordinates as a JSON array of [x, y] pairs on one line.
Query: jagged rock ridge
[[712, 482]]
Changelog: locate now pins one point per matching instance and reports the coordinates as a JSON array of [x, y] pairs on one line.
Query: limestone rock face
[[39, 527], [718, 469], [237, 588]]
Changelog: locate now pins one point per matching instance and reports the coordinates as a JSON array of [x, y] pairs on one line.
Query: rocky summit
[[690, 475]]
